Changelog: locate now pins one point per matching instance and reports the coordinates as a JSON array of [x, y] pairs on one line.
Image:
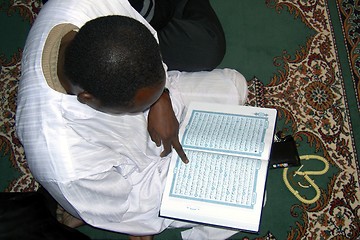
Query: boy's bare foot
[[141, 237], [67, 219]]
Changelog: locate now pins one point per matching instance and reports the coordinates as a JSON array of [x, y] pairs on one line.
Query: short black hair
[[112, 57]]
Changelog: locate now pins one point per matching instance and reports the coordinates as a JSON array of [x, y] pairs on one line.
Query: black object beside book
[[284, 153]]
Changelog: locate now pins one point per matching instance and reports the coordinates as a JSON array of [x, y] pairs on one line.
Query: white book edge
[[213, 213]]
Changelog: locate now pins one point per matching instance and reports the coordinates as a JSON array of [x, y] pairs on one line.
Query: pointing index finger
[[180, 151]]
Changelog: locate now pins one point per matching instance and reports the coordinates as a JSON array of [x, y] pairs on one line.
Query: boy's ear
[[85, 98]]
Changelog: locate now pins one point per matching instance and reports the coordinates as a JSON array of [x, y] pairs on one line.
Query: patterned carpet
[[316, 90], [349, 12], [313, 101]]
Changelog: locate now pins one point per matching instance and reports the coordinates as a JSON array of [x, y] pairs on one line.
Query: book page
[[214, 178], [196, 200], [227, 129], [226, 133]]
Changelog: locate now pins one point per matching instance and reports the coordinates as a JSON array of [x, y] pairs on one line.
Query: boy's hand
[[163, 127]]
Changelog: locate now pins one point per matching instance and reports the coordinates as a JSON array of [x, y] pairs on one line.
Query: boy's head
[[117, 61]]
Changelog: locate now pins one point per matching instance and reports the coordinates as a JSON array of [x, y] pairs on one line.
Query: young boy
[[96, 120]]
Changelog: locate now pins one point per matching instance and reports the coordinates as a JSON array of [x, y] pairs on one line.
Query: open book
[[224, 183]]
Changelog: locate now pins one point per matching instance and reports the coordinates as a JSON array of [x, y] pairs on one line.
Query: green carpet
[[301, 57]]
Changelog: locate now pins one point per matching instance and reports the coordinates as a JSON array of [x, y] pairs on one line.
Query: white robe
[[103, 168]]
